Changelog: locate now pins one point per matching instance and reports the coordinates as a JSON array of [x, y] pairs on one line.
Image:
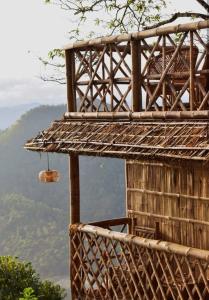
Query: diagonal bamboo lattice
[[111, 265], [146, 71]]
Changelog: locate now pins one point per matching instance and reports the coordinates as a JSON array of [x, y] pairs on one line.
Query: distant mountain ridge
[[8, 115], [31, 211]]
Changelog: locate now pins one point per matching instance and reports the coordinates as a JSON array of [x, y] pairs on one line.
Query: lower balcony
[[107, 264]]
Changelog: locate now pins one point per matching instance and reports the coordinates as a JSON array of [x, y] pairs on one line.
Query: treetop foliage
[[112, 17], [118, 16], [121, 16], [18, 280]]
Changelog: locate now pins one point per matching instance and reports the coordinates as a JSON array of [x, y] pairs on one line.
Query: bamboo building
[[142, 97]]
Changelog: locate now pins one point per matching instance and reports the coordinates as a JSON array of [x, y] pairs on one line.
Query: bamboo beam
[[70, 76], [169, 115], [136, 146], [140, 35], [136, 78], [124, 80], [112, 222], [169, 218], [124, 154], [174, 195], [122, 48]]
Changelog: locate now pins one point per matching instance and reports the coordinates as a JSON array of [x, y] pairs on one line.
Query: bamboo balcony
[[107, 264], [146, 71]]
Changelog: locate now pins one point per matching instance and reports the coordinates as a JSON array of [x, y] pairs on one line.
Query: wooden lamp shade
[[48, 176]]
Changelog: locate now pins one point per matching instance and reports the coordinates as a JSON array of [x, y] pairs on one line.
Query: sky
[[28, 30]]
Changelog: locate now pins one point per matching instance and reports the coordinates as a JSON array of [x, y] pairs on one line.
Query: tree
[[118, 16], [18, 280], [122, 16], [28, 294]]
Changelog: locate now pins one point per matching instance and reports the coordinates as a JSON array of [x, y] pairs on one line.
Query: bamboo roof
[[129, 139]]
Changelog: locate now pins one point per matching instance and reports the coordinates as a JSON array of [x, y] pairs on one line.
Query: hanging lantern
[[48, 175]]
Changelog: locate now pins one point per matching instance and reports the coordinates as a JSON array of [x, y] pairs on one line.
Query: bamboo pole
[[73, 163], [74, 159], [152, 115], [111, 78], [112, 222], [163, 69], [70, 76], [192, 72], [75, 188], [141, 35], [74, 213], [136, 76]]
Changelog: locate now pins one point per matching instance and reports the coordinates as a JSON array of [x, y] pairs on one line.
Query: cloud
[[15, 91]]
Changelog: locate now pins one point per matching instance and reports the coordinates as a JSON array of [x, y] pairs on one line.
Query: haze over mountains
[[33, 216], [8, 115]]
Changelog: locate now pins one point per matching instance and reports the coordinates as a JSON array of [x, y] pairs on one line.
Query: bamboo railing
[[153, 70], [112, 265]]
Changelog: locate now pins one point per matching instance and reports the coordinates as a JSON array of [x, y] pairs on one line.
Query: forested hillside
[[34, 216]]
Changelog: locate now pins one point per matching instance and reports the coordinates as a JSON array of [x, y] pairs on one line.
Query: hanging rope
[[48, 161]]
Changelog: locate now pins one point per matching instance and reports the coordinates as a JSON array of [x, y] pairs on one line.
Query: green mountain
[[35, 232], [34, 216]]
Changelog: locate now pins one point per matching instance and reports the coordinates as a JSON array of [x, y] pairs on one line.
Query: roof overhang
[[128, 139]]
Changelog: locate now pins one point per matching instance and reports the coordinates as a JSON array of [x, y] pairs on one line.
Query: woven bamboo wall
[[176, 195]]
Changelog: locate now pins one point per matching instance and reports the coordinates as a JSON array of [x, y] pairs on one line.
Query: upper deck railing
[[166, 69]]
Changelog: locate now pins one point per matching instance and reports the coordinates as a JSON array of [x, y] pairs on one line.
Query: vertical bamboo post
[[75, 188], [74, 183], [164, 66], [192, 72], [136, 76], [111, 78], [70, 76], [103, 85], [74, 158], [91, 73]]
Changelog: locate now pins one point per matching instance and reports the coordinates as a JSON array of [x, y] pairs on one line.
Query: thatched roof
[[151, 139]]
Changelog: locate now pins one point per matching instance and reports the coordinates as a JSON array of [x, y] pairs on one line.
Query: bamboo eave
[[139, 35], [150, 139]]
